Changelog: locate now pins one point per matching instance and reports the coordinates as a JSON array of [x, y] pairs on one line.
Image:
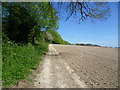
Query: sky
[[99, 33]]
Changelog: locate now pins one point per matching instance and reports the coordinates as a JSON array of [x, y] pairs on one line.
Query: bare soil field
[[69, 66]]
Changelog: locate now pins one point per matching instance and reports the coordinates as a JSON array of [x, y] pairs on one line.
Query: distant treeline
[[88, 44]]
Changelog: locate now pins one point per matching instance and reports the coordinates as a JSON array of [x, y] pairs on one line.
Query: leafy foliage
[[22, 22]]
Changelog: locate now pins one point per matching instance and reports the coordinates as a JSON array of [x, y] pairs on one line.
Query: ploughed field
[[97, 66], [79, 66]]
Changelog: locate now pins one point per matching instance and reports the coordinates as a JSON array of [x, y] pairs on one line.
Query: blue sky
[[100, 33]]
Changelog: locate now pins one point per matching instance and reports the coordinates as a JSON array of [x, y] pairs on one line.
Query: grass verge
[[18, 60]]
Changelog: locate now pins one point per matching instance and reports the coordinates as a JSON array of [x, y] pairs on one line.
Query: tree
[[80, 11], [22, 22]]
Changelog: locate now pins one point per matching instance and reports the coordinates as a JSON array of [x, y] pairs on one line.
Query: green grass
[[19, 60]]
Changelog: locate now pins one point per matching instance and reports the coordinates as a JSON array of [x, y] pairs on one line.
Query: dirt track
[[67, 66]]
